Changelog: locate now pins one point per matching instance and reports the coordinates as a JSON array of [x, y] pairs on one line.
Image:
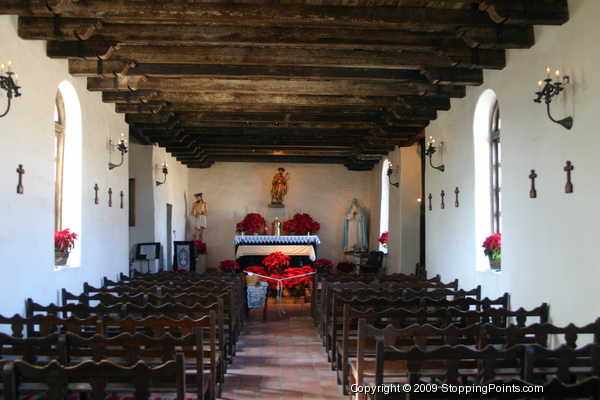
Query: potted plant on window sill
[[64, 241], [492, 249]]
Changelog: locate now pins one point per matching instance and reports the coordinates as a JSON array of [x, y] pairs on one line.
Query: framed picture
[[147, 251], [131, 202], [184, 256]]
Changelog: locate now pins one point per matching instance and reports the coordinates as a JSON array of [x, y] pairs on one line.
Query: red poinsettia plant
[[323, 266], [64, 241], [491, 246], [345, 266], [276, 261], [229, 265], [383, 239], [301, 282], [301, 224], [200, 246], [251, 223]]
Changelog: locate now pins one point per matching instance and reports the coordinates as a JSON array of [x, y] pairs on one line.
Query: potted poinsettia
[[251, 223], [383, 239], [276, 262], [230, 266], [64, 242], [492, 249]]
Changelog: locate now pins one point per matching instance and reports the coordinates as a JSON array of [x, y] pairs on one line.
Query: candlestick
[[548, 72]]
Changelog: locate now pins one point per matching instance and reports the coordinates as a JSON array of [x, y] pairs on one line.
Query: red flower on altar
[[258, 271], [251, 223], [276, 261], [323, 266], [345, 266], [301, 224], [229, 265]]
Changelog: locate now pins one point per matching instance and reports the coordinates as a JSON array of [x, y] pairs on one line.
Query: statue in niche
[[279, 186], [199, 211], [355, 237]]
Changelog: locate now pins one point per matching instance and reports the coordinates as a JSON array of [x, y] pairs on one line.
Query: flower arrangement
[[229, 265], [383, 239], [301, 224], [345, 266], [323, 266], [251, 223], [200, 246], [64, 241], [276, 261], [301, 282], [491, 246]]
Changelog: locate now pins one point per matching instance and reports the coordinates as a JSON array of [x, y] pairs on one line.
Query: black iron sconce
[[9, 84], [122, 148], [165, 171], [430, 151], [550, 90], [390, 171]]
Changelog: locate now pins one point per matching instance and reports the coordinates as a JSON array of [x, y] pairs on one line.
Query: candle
[[539, 86], [548, 72], [9, 65], [557, 73], [2, 69], [16, 79]]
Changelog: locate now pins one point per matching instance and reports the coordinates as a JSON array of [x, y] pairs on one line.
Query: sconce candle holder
[[430, 151], [390, 171], [122, 148], [165, 171], [9, 84], [549, 90]]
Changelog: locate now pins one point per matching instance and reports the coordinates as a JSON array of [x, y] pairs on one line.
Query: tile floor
[[281, 358]]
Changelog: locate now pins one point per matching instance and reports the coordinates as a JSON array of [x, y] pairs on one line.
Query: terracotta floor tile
[[281, 359]]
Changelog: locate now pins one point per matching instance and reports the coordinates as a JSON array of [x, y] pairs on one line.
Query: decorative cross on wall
[[442, 194], [569, 186], [110, 197], [122, 198], [430, 197], [532, 191], [20, 171], [456, 192], [96, 190]]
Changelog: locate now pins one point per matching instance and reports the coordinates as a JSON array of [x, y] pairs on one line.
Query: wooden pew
[[97, 379]]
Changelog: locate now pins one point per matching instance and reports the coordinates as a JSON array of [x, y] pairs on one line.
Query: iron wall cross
[[122, 199], [568, 168], [532, 191], [442, 194], [96, 190], [110, 197], [456, 192], [430, 197], [20, 171]]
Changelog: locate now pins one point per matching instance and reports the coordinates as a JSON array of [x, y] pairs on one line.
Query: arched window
[[384, 215], [488, 176], [67, 165]]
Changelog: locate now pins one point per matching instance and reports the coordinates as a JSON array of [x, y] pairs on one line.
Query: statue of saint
[[279, 188], [199, 211], [355, 229]]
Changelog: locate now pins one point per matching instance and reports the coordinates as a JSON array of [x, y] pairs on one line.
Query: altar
[[250, 250]]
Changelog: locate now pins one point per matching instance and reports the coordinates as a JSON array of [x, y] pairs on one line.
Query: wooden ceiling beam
[[356, 58], [515, 12], [275, 86]]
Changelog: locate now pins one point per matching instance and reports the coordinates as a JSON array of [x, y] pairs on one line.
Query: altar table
[[263, 245]]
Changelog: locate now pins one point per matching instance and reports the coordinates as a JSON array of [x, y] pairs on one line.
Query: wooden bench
[[97, 379]]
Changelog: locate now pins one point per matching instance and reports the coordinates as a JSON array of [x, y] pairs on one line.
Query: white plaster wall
[[26, 240], [549, 243], [234, 189]]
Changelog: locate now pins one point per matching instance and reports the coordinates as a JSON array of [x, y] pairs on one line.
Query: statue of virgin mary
[[355, 229]]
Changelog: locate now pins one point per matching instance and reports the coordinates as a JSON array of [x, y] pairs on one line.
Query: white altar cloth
[[268, 239], [265, 250]]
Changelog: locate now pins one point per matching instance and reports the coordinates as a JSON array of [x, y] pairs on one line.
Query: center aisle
[[281, 358]]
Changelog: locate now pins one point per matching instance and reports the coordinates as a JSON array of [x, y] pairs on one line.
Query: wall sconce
[[121, 147], [164, 171], [9, 84], [390, 171], [430, 151], [550, 90]]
